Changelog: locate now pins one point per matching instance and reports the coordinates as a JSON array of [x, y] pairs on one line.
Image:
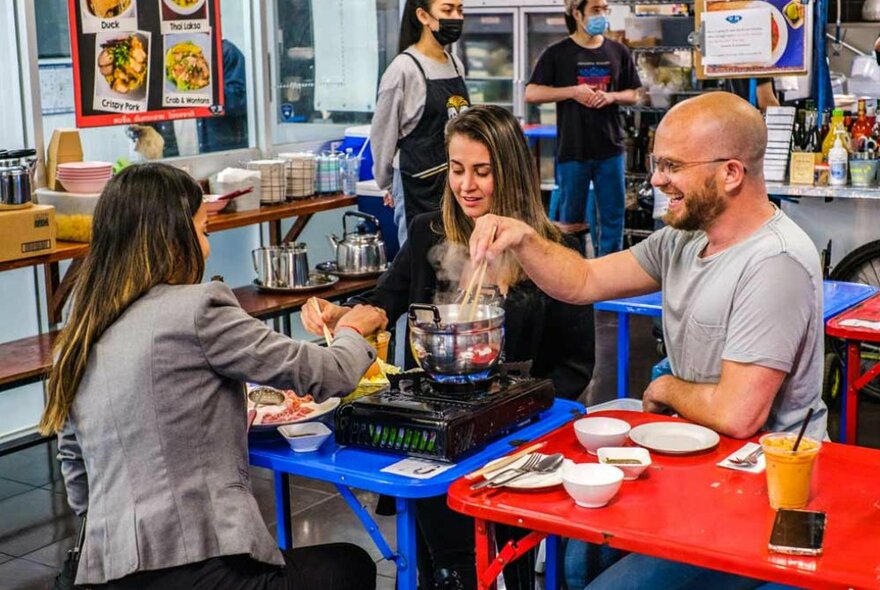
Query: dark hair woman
[[490, 170], [422, 88], [146, 395]]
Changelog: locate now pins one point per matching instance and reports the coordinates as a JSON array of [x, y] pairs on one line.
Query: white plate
[[781, 26], [318, 410], [674, 438], [532, 481]]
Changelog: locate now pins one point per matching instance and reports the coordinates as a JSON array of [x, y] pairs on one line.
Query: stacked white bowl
[[84, 177]]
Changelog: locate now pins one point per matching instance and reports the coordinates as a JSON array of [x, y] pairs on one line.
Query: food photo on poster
[[121, 80], [136, 61], [108, 15], [179, 16], [187, 70]]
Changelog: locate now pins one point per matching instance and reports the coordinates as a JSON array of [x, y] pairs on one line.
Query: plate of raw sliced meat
[[276, 407]]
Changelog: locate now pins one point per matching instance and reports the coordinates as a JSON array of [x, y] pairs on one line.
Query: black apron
[[423, 161]]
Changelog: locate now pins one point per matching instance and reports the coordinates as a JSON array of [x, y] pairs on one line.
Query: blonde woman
[[491, 170], [146, 395]]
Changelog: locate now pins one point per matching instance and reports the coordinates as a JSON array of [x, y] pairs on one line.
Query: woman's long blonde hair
[[517, 191], [142, 235]]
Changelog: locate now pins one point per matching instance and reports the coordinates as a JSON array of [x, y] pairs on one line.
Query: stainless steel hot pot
[[445, 345]]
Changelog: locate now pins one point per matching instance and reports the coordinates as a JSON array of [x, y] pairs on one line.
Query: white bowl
[[630, 471], [597, 432], [591, 485], [213, 205], [305, 437], [175, 7]]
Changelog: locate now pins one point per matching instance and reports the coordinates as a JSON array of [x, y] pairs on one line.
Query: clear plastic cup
[[789, 473]]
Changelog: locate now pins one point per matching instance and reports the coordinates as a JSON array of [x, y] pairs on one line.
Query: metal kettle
[[360, 250]]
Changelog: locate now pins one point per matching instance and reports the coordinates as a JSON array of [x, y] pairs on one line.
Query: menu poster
[[141, 61], [790, 26]]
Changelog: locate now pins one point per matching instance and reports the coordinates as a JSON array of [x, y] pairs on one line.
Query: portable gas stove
[[421, 417]]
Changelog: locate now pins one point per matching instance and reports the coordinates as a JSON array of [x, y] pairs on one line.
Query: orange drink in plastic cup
[[789, 473], [379, 341]]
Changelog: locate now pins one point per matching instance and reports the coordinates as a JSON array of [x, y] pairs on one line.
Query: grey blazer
[[155, 447]]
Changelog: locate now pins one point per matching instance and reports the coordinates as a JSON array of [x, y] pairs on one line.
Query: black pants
[[337, 566], [449, 538]]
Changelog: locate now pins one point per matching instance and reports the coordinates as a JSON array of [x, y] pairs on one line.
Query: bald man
[[742, 303], [742, 285]]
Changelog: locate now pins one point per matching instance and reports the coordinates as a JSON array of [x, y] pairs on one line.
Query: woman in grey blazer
[[146, 395]]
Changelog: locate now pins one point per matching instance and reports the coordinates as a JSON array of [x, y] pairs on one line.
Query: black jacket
[[557, 337]]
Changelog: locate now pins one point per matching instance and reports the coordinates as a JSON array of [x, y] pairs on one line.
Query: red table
[[688, 509], [854, 337]]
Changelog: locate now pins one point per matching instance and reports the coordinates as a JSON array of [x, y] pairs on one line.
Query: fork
[[750, 459], [529, 465]]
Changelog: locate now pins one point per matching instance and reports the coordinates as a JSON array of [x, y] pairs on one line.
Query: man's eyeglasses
[[665, 166]]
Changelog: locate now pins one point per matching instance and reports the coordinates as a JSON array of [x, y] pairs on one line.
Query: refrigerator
[[499, 48]]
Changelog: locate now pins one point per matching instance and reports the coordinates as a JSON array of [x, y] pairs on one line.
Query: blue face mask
[[596, 25]]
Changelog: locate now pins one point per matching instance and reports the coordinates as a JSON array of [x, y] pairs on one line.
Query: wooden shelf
[[63, 251], [30, 359], [223, 221], [26, 360]]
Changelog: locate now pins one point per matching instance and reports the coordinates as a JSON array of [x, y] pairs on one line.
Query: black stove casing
[[420, 418]]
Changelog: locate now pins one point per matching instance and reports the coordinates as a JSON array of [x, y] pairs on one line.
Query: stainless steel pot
[[360, 251], [282, 267], [15, 187], [445, 345]]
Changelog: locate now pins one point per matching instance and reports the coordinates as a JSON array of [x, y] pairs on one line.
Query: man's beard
[[698, 209]]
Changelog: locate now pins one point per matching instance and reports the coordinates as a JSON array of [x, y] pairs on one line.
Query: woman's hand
[[388, 199], [366, 319], [330, 315]]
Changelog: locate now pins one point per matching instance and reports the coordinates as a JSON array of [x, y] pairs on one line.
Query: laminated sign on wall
[[752, 38], [346, 55], [138, 61]]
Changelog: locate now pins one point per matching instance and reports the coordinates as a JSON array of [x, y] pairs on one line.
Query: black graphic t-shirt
[[585, 133]]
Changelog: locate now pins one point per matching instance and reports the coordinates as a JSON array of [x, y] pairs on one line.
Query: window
[[327, 82]]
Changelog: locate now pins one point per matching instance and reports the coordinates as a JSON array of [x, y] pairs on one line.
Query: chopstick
[[482, 272], [235, 194], [505, 461], [327, 336]]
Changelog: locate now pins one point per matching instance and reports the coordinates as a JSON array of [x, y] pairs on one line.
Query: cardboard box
[[27, 232]]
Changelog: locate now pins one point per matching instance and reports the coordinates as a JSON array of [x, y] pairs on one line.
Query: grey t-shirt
[[757, 302], [400, 105]]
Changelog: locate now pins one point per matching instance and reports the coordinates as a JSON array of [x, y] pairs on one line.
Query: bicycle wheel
[[862, 265]]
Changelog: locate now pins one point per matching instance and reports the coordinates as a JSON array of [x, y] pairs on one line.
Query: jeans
[[585, 561], [637, 571], [399, 211], [602, 207]]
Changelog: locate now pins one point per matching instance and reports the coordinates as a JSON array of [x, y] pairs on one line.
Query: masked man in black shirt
[[588, 76]]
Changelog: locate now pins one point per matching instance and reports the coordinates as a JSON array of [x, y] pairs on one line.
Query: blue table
[[357, 468], [838, 296], [535, 131]]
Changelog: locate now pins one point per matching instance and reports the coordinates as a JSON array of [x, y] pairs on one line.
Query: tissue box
[[73, 213], [27, 232], [234, 179]]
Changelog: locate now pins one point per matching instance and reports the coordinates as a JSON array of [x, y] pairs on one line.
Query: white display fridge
[[501, 42]]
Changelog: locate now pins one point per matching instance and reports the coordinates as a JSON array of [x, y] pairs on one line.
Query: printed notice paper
[[737, 36]]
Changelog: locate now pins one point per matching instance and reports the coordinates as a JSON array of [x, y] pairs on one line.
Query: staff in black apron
[[418, 93], [423, 164]]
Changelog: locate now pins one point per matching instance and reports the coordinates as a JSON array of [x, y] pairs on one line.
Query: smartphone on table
[[798, 532]]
